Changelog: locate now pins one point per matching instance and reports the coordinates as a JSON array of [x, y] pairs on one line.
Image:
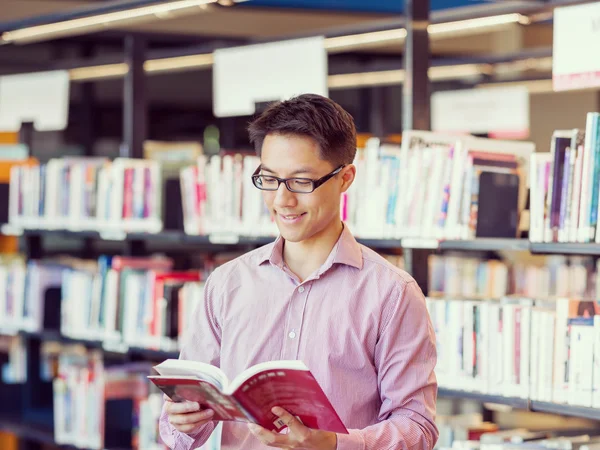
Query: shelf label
[[10, 230], [502, 111], [428, 244], [576, 64], [41, 98], [223, 238], [113, 235], [115, 346], [286, 68]]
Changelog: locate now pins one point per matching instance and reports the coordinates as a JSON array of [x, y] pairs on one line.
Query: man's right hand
[[186, 417]]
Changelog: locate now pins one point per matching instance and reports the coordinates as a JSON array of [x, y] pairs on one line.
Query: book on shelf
[[565, 182], [218, 195], [251, 395]]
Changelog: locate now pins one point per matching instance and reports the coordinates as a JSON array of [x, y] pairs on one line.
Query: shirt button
[[292, 334], [301, 289]]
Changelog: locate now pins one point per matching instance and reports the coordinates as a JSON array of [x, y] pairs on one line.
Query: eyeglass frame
[[315, 183]]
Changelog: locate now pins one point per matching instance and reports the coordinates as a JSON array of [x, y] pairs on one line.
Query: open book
[[251, 395]]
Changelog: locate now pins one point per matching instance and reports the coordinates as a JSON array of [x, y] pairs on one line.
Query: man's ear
[[348, 174]]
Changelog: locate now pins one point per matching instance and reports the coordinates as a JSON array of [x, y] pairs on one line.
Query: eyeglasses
[[297, 185]]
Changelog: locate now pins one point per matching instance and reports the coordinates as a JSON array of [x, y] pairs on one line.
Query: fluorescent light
[[363, 40], [103, 21], [437, 31], [512, 68], [382, 78], [462, 27], [99, 72], [534, 86], [179, 63], [461, 71], [392, 77]]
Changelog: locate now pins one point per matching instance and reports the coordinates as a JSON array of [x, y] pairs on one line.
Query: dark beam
[[135, 110], [415, 93], [415, 104]]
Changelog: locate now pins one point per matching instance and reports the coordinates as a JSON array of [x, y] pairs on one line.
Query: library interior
[[477, 175]]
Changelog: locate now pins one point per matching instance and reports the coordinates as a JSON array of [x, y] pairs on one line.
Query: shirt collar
[[346, 251]]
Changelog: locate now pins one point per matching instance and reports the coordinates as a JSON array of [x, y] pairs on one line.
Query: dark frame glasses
[[311, 184]]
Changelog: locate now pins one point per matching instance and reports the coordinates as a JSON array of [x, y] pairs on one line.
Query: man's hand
[[186, 417], [299, 436]]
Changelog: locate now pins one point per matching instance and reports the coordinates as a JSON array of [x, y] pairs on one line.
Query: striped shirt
[[359, 323]]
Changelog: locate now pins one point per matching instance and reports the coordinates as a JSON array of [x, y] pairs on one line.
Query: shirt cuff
[[187, 441], [352, 441]]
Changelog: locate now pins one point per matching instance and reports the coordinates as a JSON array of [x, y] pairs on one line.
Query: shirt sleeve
[[405, 357], [203, 343]]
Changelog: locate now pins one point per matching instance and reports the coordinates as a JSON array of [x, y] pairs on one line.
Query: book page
[[203, 371]]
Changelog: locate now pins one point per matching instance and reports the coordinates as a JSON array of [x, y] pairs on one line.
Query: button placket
[[296, 311]]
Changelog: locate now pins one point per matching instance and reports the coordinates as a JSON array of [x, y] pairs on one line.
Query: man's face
[[301, 216]]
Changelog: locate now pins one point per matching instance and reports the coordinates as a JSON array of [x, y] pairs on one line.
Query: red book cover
[[252, 394]]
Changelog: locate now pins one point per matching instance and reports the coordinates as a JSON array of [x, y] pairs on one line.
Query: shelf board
[[180, 239], [574, 248], [138, 351], [519, 403], [566, 410], [486, 244], [30, 432]]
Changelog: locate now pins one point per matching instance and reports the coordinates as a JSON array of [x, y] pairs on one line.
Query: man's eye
[[269, 180], [302, 183]]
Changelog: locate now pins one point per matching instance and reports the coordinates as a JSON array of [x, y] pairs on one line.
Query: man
[[359, 323]]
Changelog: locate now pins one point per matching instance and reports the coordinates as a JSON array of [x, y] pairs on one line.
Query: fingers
[[189, 422], [191, 418], [290, 421], [267, 437], [181, 407]]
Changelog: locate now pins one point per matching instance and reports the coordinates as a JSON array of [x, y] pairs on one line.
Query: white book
[[581, 344], [587, 177], [576, 198], [536, 354], [596, 369], [560, 391]]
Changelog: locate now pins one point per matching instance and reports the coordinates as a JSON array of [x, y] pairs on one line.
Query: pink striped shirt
[[360, 325]]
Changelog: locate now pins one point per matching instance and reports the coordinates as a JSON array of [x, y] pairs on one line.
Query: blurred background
[[125, 165]]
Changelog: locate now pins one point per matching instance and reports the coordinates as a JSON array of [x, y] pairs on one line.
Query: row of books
[[542, 438], [87, 193], [120, 301], [388, 198], [565, 184], [470, 277], [89, 411], [532, 349]]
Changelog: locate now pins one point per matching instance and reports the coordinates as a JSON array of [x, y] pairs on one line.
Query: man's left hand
[[299, 436]]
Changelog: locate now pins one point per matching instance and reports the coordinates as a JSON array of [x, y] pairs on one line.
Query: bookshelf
[[523, 404], [135, 244]]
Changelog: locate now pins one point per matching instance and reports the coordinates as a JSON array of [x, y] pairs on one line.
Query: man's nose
[[284, 197]]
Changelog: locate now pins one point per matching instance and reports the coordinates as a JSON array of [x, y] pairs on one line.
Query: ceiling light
[[179, 63], [461, 71], [99, 72], [101, 21], [437, 30], [350, 80], [364, 40], [462, 27]]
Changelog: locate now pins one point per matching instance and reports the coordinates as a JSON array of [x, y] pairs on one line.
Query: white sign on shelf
[[500, 112], [41, 98], [244, 76], [576, 59]]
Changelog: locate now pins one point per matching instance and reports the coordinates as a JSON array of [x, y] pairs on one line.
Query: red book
[[251, 395]]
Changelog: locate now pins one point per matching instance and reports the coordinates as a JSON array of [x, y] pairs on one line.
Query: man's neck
[[304, 258]]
